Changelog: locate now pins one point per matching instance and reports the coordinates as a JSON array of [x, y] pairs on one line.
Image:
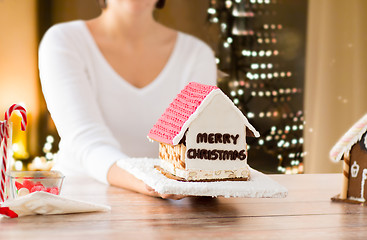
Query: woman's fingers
[[172, 196], [153, 193]]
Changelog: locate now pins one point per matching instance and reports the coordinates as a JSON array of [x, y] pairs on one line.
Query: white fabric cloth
[[46, 204], [259, 185], [99, 116]]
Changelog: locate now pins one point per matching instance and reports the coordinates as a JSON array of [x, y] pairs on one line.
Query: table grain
[[306, 213]]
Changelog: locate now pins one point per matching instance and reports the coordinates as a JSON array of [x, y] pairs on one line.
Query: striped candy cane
[[22, 112], [2, 183], [4, 139], [1, 131]]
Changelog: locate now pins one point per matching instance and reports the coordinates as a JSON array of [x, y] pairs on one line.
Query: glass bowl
[[21, 183]]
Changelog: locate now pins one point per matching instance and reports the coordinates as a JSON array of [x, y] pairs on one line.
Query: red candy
[[36, 187], [18, 185], [28, 184], [38, 184], [53, 190]]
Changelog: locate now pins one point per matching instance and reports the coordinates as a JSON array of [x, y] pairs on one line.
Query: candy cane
[[3, 162], [3, 170], [4, 138], [22, 112], [1, 131]]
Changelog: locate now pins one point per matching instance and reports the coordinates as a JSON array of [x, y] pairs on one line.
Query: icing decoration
[[364, 178], [216, 138], [218, 117], [345, 143], [216, 154], [354, 169]]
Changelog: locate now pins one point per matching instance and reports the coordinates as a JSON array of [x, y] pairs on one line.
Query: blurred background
[[295, 68]]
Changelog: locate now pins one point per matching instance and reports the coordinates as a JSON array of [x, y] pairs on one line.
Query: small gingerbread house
[[352, 149], [202, 135]]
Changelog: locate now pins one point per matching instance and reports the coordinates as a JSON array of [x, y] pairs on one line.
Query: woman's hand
[[120, 178], [153, 193]]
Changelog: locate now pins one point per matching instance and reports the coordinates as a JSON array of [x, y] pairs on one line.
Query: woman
[[107, 80]]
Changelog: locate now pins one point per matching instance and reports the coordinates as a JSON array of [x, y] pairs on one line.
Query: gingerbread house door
[[357, 186]]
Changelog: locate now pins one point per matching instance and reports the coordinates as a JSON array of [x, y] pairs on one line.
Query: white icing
[[345, 143], [357, 199], [205, 174], [220, 118], [202, 107], [364, 178], [354, 169]]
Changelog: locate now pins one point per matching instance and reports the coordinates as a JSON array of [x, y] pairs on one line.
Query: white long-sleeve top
[[100, 117]]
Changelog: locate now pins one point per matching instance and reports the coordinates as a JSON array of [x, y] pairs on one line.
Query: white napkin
[[259, 185], [46, 203]]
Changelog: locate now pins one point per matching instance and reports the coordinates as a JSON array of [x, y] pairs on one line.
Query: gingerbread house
[[202, 136], [352, 149]]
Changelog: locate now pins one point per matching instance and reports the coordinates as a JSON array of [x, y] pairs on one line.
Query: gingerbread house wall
[[358, 168], [219, 118], [173, 154]]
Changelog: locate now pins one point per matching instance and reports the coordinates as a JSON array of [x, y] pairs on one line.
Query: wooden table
[[307, 213]]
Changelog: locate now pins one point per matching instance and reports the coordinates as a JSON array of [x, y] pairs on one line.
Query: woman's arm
[[72, 103], [87, 143]]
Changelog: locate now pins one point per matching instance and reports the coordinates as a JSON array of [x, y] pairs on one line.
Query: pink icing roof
[[347, 141], [179, 111]]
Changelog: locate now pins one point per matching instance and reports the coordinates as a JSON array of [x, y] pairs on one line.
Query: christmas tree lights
[[262, 51]]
